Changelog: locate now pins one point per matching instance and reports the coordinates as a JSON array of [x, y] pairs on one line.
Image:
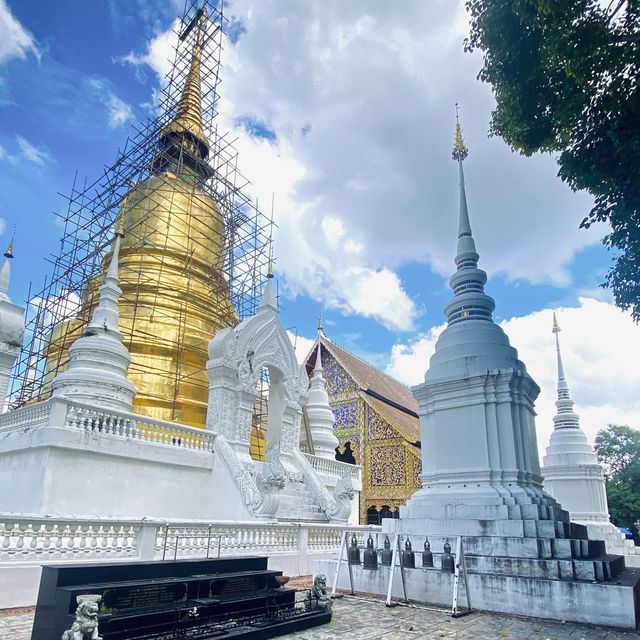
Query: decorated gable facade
[[377, 426]]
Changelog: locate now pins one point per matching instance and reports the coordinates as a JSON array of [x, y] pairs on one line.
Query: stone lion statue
[[319, 592], [86, 625]]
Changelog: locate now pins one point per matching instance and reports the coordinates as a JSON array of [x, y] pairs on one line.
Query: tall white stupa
[[481, 480], [572, 474]]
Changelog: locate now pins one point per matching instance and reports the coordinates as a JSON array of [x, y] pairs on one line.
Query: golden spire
[[460, 151], [9, 252], [188, 117]]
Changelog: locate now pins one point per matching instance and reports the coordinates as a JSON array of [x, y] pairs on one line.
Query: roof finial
[[9, 252], [320, 322], [460, 150]]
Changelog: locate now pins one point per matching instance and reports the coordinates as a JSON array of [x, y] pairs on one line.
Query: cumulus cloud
[[38, 155], [16, 41], [600, 349], [358, 102]]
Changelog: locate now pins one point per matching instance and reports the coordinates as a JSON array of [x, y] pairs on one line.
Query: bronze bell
[[408, 557], [427, 556], [354, 553], [448, 564], [370, 559], [386, 556]]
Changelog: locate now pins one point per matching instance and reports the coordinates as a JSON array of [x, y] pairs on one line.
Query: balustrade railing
[[32, 416], [334, 468], [23, 539], [136, 427], [41, 539]]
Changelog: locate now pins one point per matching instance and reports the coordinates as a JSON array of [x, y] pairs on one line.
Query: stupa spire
[[106, 316], [565, 418], [188, 116], [5, 273], [470, 301], [268, 296], [317, 367]]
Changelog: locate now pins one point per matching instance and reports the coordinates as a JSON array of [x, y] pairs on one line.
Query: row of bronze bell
[[408, 557]]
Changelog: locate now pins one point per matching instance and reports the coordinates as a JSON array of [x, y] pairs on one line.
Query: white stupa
[[572, 474], [481, 480], [11, 327], [98, 360], [319, 413]]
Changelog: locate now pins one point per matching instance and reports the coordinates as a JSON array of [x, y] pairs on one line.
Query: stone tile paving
[[371, 620]]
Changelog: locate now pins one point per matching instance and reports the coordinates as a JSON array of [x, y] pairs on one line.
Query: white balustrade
[[25, 539], [137, 427], [42, 539], [334, 468], [32, 416]]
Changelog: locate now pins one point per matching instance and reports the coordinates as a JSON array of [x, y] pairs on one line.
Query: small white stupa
[[318, 409], [98, 360], [11, 327], [572, 474]]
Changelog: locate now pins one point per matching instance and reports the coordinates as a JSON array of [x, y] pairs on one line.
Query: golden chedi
[[174, 295]]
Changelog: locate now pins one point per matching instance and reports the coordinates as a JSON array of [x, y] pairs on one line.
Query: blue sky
[[345, 114]]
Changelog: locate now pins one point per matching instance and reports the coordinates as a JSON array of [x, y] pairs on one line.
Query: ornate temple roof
[[390, 398]]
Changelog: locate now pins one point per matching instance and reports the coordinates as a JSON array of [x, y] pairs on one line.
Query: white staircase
[[298, 503]]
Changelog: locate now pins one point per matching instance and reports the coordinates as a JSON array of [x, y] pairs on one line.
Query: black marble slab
[[234, 597]]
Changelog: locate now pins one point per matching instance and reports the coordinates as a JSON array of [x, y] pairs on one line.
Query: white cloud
[[15, 40], [37, 155], [333, 229], [361, 103], [600, 349], [301, 344], [119, 111]]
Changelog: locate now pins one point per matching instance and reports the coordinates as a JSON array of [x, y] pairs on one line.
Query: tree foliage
[[565, 74], [618, 449]]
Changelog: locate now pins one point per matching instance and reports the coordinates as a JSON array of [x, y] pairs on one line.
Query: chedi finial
[[460, 150]]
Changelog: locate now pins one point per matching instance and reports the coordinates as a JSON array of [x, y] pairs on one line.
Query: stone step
[[513, 546], [598, 569]]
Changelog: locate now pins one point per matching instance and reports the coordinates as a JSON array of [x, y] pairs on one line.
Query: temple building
[[174, 295], [376, 425]]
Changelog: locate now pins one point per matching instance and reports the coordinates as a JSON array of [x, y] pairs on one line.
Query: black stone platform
[[233, 598]]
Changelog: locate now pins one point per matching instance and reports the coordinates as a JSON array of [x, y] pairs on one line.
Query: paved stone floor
[[369, 620]]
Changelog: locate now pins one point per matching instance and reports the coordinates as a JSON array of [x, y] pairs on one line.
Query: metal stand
[[397, 556], [341, 552], [460, 565]]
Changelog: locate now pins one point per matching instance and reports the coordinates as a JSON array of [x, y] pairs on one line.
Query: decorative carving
[[379, 429], [85, 626], [343, 494], [388, 465], [260, 495], [319, 593]]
